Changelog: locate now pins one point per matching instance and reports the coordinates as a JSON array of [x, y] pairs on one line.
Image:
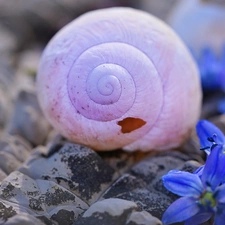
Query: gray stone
[[13, 151], [16, 146], [115, 211], [121, 161], [7, 91], [43, 199], [107, 212], [143, 185], [23, 219], [8, 162], [8, 41], [3, 175], [27, 119], [75, 167], [142, 218], [3, 108]]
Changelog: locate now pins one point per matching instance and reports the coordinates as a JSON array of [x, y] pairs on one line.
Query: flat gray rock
[[76, 168], [116, 212], [142, 183], [42, 199], [27, 119], [23, 219]]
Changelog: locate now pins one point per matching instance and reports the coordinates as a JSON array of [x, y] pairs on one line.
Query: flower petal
[[220, 194], [199, 171], [180, 210], [214, 170], [183, 183], [206, 129], [220, 215], [199, 218]]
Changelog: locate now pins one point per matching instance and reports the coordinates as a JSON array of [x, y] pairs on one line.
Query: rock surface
[[27, 119], [116, 211]]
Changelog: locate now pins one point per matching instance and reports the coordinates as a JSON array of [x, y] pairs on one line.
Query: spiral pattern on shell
[[112, 78]]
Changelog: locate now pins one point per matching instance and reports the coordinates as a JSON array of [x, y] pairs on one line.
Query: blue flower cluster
[[212, 69], [202, 192], [212, 72]]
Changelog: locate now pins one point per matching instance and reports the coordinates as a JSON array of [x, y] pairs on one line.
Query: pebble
[[92, 177], [43, 199], [75, 167], [116, 211], [27, 119], [142, 184], [23, 219]]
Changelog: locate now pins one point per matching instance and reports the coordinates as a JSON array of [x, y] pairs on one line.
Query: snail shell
[[119, 77]]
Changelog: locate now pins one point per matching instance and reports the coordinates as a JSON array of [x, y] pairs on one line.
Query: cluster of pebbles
[[44, 178]]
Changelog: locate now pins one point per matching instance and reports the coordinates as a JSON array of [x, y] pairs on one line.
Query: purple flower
[[202, 197]]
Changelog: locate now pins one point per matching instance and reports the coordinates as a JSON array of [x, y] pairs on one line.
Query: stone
[[8, 162], [7, 92], [27, 119], [16, 146], [142, 218], [115, 211], [3, 108], [142, 184], [75, 167], [120, 160], [3, 175], [8, 41], [23, 219], [43, 199]]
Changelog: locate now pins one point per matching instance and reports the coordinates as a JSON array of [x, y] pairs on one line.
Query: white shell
[[118, 66]]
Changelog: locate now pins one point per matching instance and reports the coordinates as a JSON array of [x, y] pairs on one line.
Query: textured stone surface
[[6, 93], [143, 185], [116, 212], [75, 167], [8, 162], [23, 219], [15, 145], [43, 199], [14, 150], [142, 218], [27, 119], [91, 177]]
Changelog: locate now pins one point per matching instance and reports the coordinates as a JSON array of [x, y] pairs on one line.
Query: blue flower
[[209, 135], [212, 69], [202, 197]]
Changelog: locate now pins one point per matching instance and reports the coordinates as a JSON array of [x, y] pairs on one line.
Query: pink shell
[[119, 77]]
